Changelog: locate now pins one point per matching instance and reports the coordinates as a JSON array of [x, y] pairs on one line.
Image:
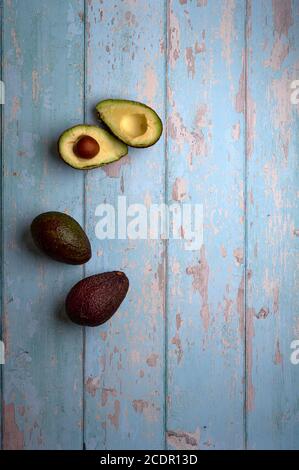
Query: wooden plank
[[2, 93], [205, 294], [273, 301], [124, 366], [43, 74]]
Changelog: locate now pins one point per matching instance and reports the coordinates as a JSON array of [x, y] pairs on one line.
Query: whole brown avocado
[[61, 237], [93, 300]]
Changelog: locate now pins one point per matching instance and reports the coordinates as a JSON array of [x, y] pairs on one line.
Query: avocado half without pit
[[132, 122], [85, 147]]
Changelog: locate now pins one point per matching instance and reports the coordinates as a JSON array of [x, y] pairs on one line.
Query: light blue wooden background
[[198, 355]]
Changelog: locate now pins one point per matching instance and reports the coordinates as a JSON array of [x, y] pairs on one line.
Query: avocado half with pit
[[85, 147], [134, 123]]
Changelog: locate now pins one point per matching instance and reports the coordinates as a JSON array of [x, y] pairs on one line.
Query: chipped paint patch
[[202, 116], [279, 53], [174, 38], [200, 274], [276, 299], [179, 349], [15, 43], [152, 360], [278, 355], [223, 251], [241, 306], [114, 418], [199, 48], [282, 121], [262, 314], [21, 410], [103, 334], [238, 255], [282, 16], [113, 169], [250, 333], [227, 29], [92, 385], [271, 288], [130, 19], [190, 61], [179, 190], [181, 440], [178, 321], [240, 96], [228, 306], [236, 131], [139, 405], [15, 107], [148, 88], [13, 438], [161, 274], [152, 413], [181, 135], [175, 267], [35, 86], [106, 393], [251, 124]]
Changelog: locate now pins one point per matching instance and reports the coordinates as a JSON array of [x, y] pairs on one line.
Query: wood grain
[[124, 359], [206, 288], [272, 152], [43, 74], [198, 355]]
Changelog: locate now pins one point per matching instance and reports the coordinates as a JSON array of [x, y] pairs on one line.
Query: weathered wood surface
[[43, 74], [205, 294], [124, 360], [273, 263], [198, 355]]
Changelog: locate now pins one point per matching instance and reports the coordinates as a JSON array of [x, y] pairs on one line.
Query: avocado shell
[[61, 237], [93, 300]]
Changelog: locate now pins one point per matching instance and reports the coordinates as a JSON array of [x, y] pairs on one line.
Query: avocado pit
[[86, 147]]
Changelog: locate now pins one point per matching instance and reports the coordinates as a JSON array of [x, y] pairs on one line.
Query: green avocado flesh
[[134, 123], [110, 148], [61, 237]]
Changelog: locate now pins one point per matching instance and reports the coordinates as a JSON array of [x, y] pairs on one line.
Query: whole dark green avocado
[[61, 237], [93, 300]]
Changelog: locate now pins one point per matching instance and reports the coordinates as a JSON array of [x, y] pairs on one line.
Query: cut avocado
[[134, 123], [85, 147]]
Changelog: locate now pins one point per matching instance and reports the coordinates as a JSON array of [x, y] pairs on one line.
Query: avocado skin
[[93, 300], [61, 237]]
